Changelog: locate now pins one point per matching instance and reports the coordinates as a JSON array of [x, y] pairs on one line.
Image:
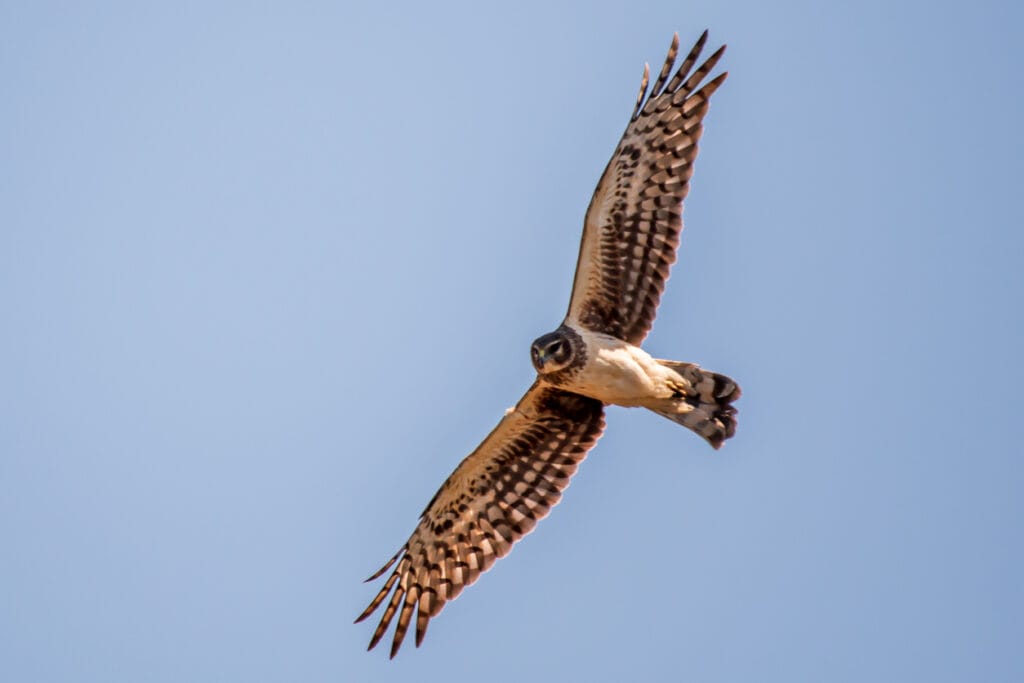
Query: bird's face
[[552, 352]]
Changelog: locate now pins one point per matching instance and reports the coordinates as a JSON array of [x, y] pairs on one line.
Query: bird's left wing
[[631, 230], [492, 499]]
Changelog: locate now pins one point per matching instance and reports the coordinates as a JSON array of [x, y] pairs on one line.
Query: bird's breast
[[616, 372]]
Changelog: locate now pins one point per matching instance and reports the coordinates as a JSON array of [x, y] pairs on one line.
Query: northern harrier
[[630, 235]]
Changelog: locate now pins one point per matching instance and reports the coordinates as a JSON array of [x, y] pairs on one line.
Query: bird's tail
[[702, 402]]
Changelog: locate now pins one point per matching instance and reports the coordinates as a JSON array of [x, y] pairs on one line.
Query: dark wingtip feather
[[666, 69], [643, 92], [688, 63], [380, 572], [422, 621], [377, 635]]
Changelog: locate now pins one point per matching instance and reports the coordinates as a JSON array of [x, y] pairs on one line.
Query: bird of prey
[[630, 235]]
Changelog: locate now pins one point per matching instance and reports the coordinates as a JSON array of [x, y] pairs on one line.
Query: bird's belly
[[619, 373]]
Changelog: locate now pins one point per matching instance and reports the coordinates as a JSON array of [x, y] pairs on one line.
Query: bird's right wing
[[631, 231], [492, 499]]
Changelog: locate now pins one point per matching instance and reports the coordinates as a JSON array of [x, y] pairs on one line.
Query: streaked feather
[[632, 227], [493, 498]]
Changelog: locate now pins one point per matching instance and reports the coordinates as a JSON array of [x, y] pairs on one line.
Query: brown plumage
[[631, 233], [492, 499]]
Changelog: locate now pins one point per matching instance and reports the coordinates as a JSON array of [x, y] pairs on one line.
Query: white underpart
[[620, 373]]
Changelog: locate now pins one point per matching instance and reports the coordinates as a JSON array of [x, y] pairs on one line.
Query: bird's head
[[555, 350]]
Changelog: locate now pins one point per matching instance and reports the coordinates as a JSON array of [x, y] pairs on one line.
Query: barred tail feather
[[702, 402]]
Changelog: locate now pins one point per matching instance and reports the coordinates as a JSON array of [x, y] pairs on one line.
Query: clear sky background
[[268, 273]]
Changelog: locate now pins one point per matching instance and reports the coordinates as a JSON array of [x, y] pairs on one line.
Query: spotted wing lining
[[493, 498], [632, 227]]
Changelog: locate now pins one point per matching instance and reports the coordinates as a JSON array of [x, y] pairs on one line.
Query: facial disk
[[552, 352]]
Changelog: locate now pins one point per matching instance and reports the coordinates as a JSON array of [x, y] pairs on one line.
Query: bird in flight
[[630, 234]]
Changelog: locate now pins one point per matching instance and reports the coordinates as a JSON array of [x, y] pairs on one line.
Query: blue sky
[[268, 274]]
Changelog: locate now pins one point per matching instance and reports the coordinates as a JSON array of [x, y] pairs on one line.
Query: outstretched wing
[[492, 499], [632, 227]]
